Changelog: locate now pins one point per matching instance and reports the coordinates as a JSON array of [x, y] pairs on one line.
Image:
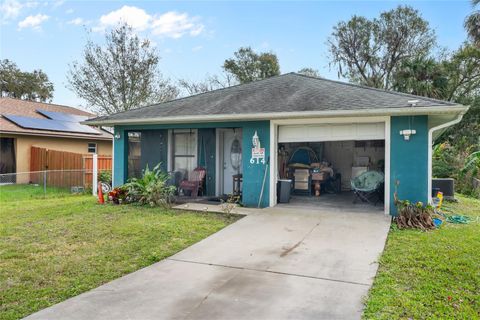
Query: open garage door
[[331, 132], [317, 162]]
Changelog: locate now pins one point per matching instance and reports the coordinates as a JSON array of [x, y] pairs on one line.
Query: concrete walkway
[[279, 263]]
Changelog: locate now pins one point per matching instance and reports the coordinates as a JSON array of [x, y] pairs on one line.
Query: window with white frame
[[92, 148], [184, 150]]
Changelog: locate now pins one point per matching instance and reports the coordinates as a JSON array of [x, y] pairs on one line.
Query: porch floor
[[209, 204]]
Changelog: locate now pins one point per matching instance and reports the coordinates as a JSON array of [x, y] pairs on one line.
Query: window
[[92, 148], [134, 155], [184, 151]]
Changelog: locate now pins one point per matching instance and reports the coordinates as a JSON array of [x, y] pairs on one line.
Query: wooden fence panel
[[104, 164], [68, 168]]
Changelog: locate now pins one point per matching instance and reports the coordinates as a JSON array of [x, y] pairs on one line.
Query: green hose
[[457, 219]]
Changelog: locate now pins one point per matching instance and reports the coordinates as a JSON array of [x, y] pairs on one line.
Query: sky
[[194, 38]]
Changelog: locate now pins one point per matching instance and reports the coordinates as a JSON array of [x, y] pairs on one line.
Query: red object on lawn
[[195, 184], [101, 200]]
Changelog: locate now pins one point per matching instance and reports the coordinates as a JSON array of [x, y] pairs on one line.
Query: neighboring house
[[24, 124], [355, 128]]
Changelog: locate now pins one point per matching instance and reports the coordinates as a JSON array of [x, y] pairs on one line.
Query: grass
[[24, 192], [52, 249], [430, 275]]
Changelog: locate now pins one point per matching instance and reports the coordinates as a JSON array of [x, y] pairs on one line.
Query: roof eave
[[52, 135], [283, 115]]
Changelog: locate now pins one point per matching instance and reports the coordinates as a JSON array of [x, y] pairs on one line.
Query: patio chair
[[368, 186], [195, 182]]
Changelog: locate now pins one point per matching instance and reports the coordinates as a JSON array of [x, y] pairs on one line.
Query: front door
[[231, 141]]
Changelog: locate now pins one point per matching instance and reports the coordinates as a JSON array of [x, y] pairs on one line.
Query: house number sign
[[258, 153]]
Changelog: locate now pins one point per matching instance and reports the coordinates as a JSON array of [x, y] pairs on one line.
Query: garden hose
[[457, 219]]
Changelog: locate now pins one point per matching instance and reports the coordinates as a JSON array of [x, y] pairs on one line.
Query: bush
[[151, 188], [118, 195], [460, 164], [105, 176]]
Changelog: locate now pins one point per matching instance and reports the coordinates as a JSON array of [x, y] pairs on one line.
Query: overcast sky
[[194, 38]]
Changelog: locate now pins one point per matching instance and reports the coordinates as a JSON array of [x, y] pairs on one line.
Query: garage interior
[[320, 172]]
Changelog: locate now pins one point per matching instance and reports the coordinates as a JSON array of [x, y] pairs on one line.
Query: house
[[254, 129], [24, 124]]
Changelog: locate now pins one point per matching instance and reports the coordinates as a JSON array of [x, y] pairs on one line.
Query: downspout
[[430, 146]]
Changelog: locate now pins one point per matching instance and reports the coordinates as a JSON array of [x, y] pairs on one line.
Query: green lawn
[[430, 275], [25, 192], [55, 248]]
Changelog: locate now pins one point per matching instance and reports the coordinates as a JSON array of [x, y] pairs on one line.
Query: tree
[[121, 75], [247, 65], [422, 76], [455, 77], [463, 72], [472, 24], [310, 72], [209, 84], [368, 51], [19, 84]]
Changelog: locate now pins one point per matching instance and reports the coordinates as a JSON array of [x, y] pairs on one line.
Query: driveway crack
[[263, 270], [288, 250]]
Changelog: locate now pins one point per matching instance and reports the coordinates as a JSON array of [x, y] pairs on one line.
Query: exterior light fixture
[[117, 135], [407, 133]]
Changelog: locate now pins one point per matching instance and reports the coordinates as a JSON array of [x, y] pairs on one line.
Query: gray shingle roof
[[290, 92]]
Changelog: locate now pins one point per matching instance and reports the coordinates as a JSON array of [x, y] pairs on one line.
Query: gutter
[[283, 115], [430, 146], [51, 135]]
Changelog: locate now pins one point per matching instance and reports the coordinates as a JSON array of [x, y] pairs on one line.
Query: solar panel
[[62, 116], [52, 125]]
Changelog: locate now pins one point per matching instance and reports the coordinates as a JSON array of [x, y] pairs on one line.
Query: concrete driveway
[[279, 263]]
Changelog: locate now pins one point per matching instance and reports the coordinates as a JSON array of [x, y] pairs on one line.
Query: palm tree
[[422, 76], [472, 24]]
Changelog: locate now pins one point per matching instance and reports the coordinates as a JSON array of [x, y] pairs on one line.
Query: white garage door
[[331, 132]]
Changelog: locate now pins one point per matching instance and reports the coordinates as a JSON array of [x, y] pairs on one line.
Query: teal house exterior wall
[[253, 174], [120, 154], [409, 160]]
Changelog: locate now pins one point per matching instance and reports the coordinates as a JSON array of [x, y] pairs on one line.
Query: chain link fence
[[55, 181]]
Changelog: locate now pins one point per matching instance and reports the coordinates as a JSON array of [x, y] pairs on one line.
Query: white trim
[[430, 151], [94, 174], [388, 146], [273, 141], [169, 150], [383, 111], [217, 162], [273, 164], [113, 160]]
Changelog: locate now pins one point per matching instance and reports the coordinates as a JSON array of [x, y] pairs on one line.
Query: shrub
[[118, 195], [105, 176], [460, 164], [151, 188]]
